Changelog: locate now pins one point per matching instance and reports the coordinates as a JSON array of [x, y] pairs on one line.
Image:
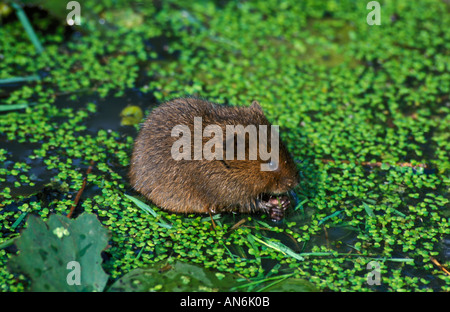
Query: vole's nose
[[289, 182]]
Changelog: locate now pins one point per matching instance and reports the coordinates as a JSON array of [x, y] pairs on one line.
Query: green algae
[[344, 93]]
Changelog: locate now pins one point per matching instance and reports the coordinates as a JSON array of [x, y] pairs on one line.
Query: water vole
[[217, 185]]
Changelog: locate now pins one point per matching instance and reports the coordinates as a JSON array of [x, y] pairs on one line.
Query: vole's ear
[[255, 106]]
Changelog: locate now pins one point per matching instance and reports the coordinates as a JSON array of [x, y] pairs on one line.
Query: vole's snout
[[289, 182], [285, 184]]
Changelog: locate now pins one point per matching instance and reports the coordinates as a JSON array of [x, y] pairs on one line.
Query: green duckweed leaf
[[131, 115]]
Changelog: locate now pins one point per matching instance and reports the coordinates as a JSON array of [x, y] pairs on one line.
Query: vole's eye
[[273, 165]]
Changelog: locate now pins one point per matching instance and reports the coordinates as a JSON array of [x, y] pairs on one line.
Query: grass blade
[[264, 224], [165, 225], [149, 210], [10, 107], [19, 219], [335, 214], [401, 214], [300, 205], [255, 251], [28, 28], [142, 205], [280, 247], [368, 210], [19, 79], [263, 280], [8, 242]]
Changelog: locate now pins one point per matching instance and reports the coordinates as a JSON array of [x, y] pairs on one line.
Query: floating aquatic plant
[[362, 108]]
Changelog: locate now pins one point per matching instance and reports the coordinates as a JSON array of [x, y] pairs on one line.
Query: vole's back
[[202, 185]]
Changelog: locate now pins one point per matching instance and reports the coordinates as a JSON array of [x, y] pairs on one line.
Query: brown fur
[[199, 186]]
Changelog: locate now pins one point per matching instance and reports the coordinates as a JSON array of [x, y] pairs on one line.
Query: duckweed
[[363, 109]]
